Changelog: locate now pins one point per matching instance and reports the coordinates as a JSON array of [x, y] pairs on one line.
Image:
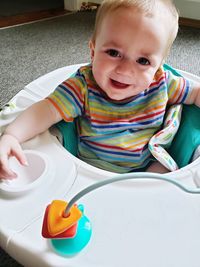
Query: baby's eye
[[143, 61], [113, 53]]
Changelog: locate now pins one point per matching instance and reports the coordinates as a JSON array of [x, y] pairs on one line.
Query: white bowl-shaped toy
[[28, 177]]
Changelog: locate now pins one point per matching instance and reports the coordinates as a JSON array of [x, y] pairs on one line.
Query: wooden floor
[[189, 22], [30, 17]]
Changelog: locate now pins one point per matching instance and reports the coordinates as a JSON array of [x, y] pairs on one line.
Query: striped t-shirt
[[114, 135]]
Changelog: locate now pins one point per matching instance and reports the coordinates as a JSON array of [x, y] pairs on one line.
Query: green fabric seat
[[70, 137], [187, 138]]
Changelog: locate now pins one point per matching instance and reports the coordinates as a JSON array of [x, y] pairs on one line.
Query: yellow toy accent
[[56, 222]]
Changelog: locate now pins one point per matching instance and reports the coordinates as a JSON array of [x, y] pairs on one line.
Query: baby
[[120, 99]]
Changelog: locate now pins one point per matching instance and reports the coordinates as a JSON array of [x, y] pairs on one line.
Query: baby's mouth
[[119, 85]]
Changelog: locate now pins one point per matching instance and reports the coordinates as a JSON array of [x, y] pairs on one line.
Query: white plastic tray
[[135, 223]]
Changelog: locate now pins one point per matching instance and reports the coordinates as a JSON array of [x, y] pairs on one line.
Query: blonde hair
[[148, 7]]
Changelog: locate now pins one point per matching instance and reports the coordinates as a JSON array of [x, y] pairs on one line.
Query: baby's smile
[[119, 85]]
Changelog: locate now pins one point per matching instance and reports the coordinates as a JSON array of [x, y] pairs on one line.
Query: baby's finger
[[6, 172], [20, 156]]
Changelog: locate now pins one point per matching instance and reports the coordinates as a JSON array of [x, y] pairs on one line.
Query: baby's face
[[128, 50]]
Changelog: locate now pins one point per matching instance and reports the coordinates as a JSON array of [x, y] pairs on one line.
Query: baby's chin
[[121, 95], [118, 98]]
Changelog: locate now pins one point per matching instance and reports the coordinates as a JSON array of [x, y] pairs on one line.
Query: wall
[[73, 5], [188, 8]]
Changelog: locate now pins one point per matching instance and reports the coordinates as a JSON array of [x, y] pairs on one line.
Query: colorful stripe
[[115, 136]]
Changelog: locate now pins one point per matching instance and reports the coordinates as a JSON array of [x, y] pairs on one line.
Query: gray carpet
[[32, 50], [29, 51]]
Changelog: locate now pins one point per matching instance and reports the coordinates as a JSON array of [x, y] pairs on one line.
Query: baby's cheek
[[143, 85], [146, 81]]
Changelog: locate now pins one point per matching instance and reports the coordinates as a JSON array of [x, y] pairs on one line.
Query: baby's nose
[[125, 67]]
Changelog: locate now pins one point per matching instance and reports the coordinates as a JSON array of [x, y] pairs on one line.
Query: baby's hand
[[9, 146]]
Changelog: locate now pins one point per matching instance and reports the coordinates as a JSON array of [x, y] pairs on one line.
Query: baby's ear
[[92, 47]]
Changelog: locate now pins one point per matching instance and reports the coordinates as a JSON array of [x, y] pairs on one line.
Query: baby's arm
[[157, 167], [194, 97], [35, 120]]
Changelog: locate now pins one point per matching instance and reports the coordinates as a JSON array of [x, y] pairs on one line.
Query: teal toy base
[[72, 246]]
